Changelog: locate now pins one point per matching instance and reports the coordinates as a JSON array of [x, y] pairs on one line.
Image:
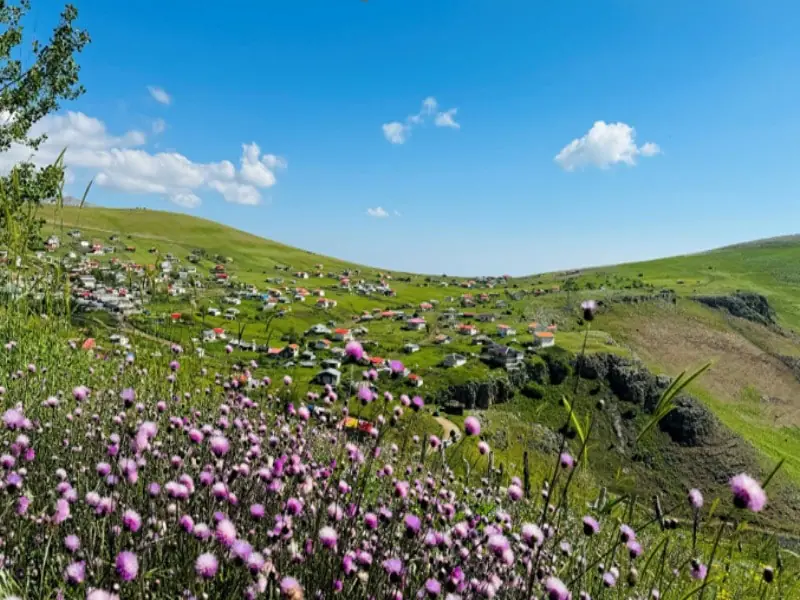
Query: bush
[[558, 365], [533, 390]]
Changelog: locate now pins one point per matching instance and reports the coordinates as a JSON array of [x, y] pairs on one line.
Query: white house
[[411, 348], [454, 360], [416, 324], [214, 312], [342, 335], [544, 339], [505, 331]]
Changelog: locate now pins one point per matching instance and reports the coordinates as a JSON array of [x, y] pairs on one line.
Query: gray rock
[[690, 423], [747, 305]]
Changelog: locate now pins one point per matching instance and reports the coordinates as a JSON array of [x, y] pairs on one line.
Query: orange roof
[[501, 326], [293, 346], [413, 376], [544, 334], [274, 350], [342, 331], [218, 330], [375, 360]]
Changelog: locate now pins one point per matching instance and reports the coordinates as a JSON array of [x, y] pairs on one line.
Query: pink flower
[[354, 350], [219, 445], [127, 565], [287, 381], [556, 590], [472, 426], [226, 533], [131, 520], [328, 537], [748, 493], [206, 565], [696, 498], [483, 447], [291, 589]]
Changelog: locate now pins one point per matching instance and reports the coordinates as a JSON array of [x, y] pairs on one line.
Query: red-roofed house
[[342, 335]]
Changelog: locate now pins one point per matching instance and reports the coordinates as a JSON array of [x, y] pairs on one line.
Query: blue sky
[[714, 85]]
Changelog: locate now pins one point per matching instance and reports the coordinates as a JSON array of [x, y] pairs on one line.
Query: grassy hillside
[[750, 388]]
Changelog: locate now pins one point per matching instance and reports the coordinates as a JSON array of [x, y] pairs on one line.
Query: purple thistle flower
[[532, 534], [566, 460], [62, 511], [72, 543], [354, 350], [328, 537], [696, 499], [412, 524], [483, 447], [417, 403], [396, 366], [226, 533], [206, 565], [131, 520], [219, 445], [433, 588], [699, 570], [75, 573], [634, 549], [127, 565], [241, 550], [128, 396], [472, 426], [626, 533], [556, 590], [589, 307], [609, 579], [748, 493], [393, 568], [590, 526], [365, 394], [291, 589], [80, 393], [14, 419]]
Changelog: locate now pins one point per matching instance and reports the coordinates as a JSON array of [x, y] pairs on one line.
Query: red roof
[[218, 330], [88, 344], [376, 360], [342, 331]]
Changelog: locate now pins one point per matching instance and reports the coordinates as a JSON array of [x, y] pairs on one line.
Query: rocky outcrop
[[477, 394], [628, 379], [747, 305], [690, 423]]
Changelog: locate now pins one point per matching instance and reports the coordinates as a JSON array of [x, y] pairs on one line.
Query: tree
[[29, 91]]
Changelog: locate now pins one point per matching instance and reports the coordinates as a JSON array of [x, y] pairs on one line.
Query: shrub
[[533, 390]]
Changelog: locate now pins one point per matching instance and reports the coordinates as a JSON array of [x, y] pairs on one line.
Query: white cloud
[[378, 212], [650, 149], [429, 105], [118, 162], [603, 145], [159, 125], [397, 132], [447, 119], [159, 95]]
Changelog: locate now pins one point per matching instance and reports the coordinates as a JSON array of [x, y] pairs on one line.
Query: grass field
[[748, 388]]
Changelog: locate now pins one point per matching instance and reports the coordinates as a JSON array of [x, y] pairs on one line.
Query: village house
[[503, 356], [415, 380], [454, 360], [214, 312], [322, 344], [544, 339], [505, 331], [482, 340], [415, 324], [465, 329], [533, 327], [319, 329], [425, 306], [326, 303], [486, 318], [331, 363], [290, 351], [411, 348], [442, 339], [342, 335], [328, 377]]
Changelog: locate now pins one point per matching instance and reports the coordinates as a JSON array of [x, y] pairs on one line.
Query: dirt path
[[448, 427]]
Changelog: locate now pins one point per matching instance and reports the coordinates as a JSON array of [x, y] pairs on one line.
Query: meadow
[[152, 471]]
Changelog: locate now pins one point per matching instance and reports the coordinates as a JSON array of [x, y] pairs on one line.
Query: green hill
[[649, 311]]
